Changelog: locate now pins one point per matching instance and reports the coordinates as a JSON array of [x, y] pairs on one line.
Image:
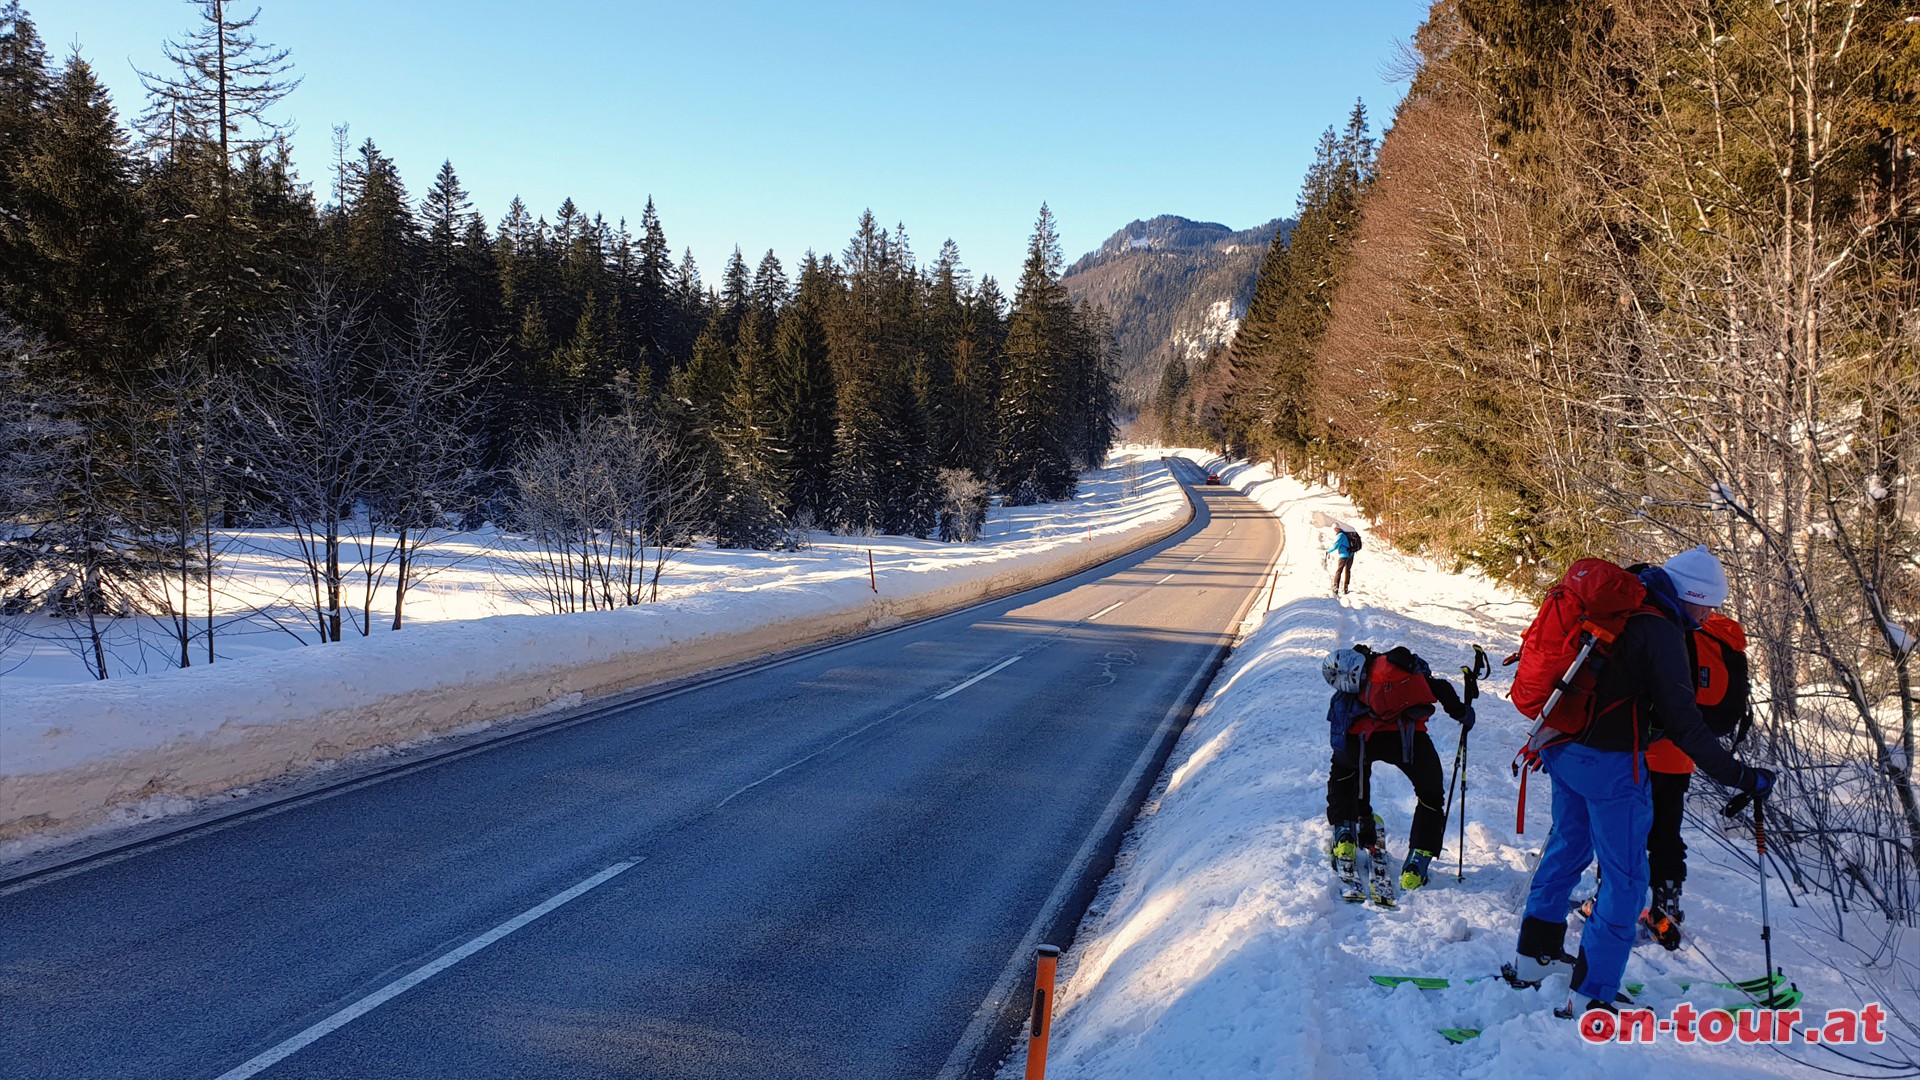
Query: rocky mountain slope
[[1173, 287]]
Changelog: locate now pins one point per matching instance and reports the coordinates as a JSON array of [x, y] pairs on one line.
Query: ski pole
[[1454, 779], [1760, 846], [1470, 679], [1733, 807], [1460, 873], [1362, 813]]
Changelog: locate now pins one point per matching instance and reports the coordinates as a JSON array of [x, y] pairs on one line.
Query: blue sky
[[775, 124]]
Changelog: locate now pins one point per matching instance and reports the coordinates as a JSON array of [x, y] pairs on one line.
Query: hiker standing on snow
[[1721, 689], [1602, 797], [1345, 544], [1379, 711]]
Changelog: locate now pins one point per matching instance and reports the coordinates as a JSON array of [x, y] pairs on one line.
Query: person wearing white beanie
[[1698, 577], [1603, 803]]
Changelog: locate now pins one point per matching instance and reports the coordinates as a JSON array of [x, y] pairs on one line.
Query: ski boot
[[1413, 873], [1663, 918], [1568, 1012], [1542, 952], [1346, 863]]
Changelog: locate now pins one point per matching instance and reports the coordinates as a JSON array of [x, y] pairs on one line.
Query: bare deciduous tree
[[430, 451], [963, 505], [311, 432], [608, 502]]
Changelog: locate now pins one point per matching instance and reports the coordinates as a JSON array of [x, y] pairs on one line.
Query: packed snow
[[1219, 947]]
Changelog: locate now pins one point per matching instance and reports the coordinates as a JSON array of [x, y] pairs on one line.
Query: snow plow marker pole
[[872, 578], [1045, 961]]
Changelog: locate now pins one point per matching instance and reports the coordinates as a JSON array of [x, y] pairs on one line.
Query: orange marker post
[[1046, 958]]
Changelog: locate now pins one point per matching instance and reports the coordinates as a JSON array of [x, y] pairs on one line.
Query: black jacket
[[1644, 690]]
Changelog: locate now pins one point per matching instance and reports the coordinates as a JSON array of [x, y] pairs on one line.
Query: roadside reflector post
[[1046, 958], [872, 579]]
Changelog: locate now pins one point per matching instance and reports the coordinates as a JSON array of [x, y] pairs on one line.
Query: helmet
[[1345, 670]]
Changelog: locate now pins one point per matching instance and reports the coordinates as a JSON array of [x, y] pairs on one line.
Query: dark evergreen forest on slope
[[197, 336], [1173, 287]]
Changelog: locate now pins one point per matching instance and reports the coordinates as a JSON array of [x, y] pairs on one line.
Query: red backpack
[[1396, 682], [1581, 616]]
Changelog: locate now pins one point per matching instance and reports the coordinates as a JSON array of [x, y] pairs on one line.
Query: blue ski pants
[[1599, 808]]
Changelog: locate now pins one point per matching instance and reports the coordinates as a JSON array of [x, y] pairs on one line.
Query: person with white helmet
[[1379, 710]]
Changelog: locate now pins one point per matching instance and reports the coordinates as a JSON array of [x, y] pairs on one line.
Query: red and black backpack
[[1722, 683], [1396, 682], [1578, 621]]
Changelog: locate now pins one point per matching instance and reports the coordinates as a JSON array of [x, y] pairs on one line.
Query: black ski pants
[[1343, 574], [1349, 786], [1666, 852]]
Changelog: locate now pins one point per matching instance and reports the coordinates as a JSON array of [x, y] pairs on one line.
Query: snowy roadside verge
[[1219, 947], [69, 755]]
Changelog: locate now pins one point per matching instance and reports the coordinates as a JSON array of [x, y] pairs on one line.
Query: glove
[[1756, 781], [1466, 719]]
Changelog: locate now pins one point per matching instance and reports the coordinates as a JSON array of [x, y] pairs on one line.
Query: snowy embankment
[[1219, 946], [74, 757]]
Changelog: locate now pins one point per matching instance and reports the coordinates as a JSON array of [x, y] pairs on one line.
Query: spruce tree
[[23, 95], [769, 288], [973, 413], [376, 237], [944, 327], [1036, 407], [749, 511], [802, 394], [1272, 361], [443, 219], [208, 121], [690, 304], [655, 314], [86, 279], [870, 377]]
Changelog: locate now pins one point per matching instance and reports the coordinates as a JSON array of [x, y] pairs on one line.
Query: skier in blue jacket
[[1344, 545]]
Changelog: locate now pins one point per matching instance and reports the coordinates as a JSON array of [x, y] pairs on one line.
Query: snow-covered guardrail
[[69, 755]]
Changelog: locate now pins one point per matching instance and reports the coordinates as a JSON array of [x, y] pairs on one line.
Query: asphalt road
[[816, 869]]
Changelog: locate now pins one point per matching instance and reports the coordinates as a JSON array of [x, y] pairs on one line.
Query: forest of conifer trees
[[195, 338], [1622, 279]]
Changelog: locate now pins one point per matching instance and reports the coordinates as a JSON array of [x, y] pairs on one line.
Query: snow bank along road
[[816, 868]]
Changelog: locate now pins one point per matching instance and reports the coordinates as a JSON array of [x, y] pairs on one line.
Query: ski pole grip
[[1760, 827], [1736, 804]]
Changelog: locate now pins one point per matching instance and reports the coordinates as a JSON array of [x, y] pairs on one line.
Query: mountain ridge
[[1173, 286]]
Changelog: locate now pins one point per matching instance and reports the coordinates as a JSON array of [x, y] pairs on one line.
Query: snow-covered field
[[263, 598], [1219, 946]]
